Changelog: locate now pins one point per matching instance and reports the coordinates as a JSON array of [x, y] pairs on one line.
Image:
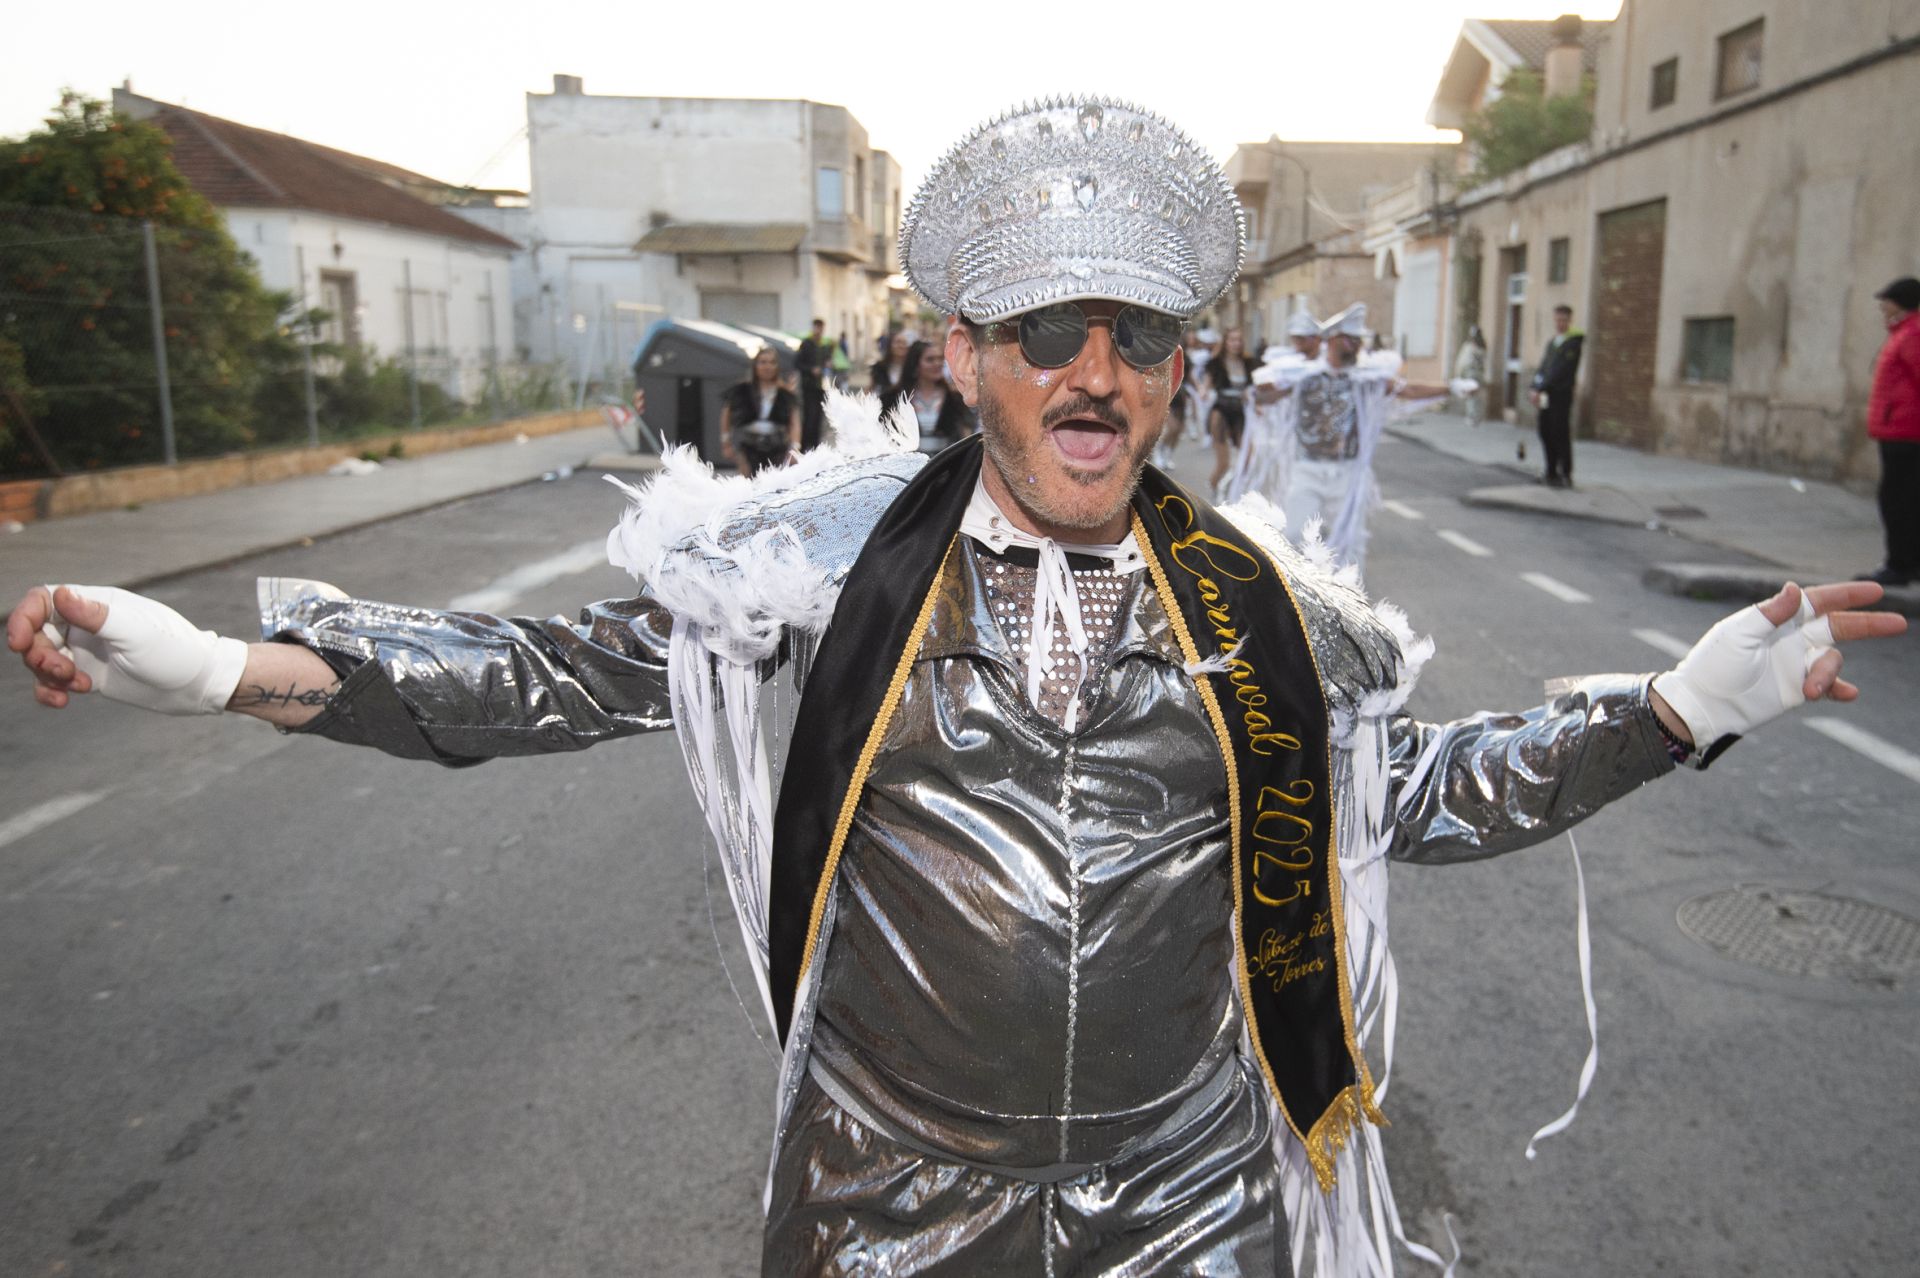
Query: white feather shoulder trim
[[744, 559], [1374, 679]]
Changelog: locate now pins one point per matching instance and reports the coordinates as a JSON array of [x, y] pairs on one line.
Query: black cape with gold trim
[[1229, 602]]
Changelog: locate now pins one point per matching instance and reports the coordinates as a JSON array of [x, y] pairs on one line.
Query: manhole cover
[[1802, 933]]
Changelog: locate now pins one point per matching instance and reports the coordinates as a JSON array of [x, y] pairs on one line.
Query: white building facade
[[446, 304], [766, 212], [399, 277]]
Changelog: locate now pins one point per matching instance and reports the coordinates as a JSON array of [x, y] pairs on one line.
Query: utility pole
[[167, 453], [306, 346], [413, 373]]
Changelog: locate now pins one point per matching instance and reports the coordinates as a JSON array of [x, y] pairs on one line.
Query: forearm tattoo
[[256, 694]]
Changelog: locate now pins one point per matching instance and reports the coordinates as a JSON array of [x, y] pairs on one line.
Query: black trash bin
[[686, 366]]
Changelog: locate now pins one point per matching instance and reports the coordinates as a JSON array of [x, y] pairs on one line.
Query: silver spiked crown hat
[[1073, 198]]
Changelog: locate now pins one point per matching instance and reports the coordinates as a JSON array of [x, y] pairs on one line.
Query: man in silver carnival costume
[[1069, 910]]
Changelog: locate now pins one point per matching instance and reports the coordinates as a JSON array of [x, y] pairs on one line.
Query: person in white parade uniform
[[1337, 409], [1266, 450]]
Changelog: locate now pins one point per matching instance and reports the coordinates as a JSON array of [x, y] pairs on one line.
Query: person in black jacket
[[1552, 394], [1230, 373], [893, 370], [760, 418], [814, 361], [939, 410]]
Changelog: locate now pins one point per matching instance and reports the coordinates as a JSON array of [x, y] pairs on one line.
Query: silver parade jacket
[[1023, 1051]]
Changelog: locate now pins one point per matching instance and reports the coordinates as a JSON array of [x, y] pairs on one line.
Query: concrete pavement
[[1753, 529]]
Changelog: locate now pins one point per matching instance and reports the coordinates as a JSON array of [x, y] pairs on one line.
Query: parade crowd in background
[[1293, 422]]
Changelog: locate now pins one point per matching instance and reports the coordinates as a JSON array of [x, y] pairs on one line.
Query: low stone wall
[[31, 499]]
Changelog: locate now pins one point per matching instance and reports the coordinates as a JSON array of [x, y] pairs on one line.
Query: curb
[[604, 461], [1524, 498], [1751, 585], [37, 500], [234, 554]]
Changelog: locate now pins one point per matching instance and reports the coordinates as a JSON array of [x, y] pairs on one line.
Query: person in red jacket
[[1893, 418]]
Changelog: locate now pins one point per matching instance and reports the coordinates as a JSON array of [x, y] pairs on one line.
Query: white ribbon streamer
[[1055, 594], [1592, 1065]]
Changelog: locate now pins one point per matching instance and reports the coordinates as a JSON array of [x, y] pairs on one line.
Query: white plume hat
[[1073, 198]]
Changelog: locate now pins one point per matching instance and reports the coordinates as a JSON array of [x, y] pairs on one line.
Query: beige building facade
[[1409, 242], [1306, 208], [1749, 183]]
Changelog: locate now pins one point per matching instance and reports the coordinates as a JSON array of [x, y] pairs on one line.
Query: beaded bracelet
[[1679, 749]]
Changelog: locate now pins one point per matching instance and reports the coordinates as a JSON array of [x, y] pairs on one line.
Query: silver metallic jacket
[[1025, 1027]]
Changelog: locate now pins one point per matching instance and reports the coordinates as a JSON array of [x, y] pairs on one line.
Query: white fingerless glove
[[1743, 672], [150, 656]]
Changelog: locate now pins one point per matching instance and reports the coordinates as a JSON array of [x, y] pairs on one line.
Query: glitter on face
[[1064, 500]]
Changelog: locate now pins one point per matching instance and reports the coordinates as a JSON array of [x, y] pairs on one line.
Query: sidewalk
[[1750, 530], [130, 548], [1746, 531]]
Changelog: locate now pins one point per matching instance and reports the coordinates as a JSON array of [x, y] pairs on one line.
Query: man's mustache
[[1084, 405]]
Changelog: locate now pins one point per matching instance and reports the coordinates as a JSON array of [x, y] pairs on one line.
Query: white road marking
[[1665, 642], [1859, 740], [496, 595], [1558, 589], [1461, 542], [15, 828], [1403, 510]]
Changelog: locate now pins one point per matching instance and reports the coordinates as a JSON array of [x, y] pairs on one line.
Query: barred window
[[1559, 254], [1740, 53], [1666, 83], [1707, 350]]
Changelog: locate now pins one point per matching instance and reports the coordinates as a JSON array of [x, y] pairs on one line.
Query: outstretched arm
[[285, 684], [1489, 784], [1494, 783], [130, 648], [453, 687]]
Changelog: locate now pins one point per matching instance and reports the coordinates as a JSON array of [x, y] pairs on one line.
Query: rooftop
[[1487, 50], [726, 238], [238, 166], [1531, 40]]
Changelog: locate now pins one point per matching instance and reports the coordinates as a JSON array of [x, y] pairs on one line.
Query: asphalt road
[[270, 1006]]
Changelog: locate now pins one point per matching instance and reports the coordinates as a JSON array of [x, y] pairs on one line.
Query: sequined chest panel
[[1032, 958], [1329, 417]]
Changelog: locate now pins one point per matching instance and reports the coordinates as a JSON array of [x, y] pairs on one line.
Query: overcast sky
[[441, 89]]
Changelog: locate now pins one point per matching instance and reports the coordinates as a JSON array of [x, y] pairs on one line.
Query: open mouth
[[1085, 441]]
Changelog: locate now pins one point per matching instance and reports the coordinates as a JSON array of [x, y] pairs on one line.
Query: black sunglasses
[[1053, 336]]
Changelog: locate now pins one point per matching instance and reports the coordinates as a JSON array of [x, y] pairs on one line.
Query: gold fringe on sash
[[1336, 1127]]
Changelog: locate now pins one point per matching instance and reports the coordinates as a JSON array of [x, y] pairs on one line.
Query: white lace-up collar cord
[[1056, 596]]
